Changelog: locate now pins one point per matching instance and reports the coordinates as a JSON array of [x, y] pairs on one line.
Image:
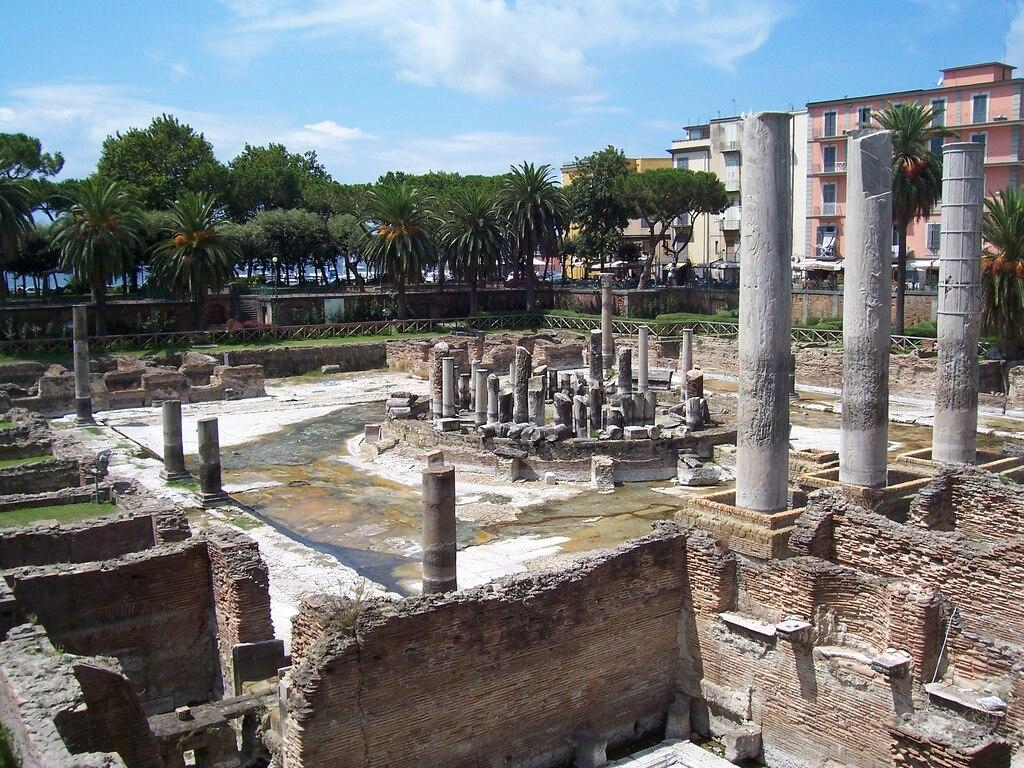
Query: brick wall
[[496, 676], [150, 610], [974, 502], [96, 539], [46, 476], [291, 361]]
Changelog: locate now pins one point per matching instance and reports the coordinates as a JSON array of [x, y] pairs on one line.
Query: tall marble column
[[642, 361], [607, 311], [762, 450], [955, 430], [447, 387], [685, 360], [211, 492], [493, 393], [867, 310], [83, 388], [439, 542], [596, 364], [480, 397], [174, 453], [523, 367]]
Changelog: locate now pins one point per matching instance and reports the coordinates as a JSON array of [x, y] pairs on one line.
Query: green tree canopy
[[22, 157], [298, 239], [1002, 266], [596, 206], [473, 236], [264, 178], [161, 162], [662, 196]]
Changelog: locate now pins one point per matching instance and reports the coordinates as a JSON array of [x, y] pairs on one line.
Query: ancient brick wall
[[946, 744], [46, 476], [976, 503], [150, 610], [292, 361], [241, 594], [96, 539], [496, 676]]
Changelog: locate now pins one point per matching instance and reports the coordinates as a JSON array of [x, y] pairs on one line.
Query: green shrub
[[923, 328]]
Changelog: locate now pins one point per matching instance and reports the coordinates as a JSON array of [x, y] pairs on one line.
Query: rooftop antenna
[[734, 106], [1006, 27]]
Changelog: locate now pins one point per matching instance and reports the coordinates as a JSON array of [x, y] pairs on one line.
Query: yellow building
[[635, 231]]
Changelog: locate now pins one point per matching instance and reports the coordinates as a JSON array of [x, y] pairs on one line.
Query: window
[[683, 162], [934, 231], [935, 145], [980, 138], [830, 124], [939, 108], [731, 132], [828, 199], [828, 158], [979, 108], [864, 117], [826, 241]]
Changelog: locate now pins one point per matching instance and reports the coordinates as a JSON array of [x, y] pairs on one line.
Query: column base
[[217, 499], [83, 411], [172, 477], [438, 586]]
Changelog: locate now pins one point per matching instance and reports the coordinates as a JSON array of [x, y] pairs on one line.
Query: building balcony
[[828, 209], [731, 146], [729, 224], [827, 169]]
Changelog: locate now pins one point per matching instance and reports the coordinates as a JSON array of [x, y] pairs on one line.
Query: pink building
[[982, 103]]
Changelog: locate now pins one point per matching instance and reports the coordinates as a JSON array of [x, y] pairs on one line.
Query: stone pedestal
[[439, 544], [693, 383], [563, 409], [211, 493], [607, 311], [762, 448], [955, 430], [83, 388], [641, 358], [867, 300], [174, 453]]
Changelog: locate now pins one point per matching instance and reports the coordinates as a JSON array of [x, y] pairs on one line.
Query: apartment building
[[716, 146], [979, 102]]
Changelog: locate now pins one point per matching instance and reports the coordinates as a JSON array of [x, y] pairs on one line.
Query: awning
[[808, 265], [923, 264]]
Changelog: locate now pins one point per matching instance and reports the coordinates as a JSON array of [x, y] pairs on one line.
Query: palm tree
[[916, 178], [1002, 268], [537, 214], [400, 242], [15, 221], [473, 235], [97, 235], [196, 254]]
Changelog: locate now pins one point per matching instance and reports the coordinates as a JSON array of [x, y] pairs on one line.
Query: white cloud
[[473, 152], [492, 47], [1015, 36], [75, 117]]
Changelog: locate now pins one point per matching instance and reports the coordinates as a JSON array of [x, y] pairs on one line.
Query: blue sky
[[466, 85]]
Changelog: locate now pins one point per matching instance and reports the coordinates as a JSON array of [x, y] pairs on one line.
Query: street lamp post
[[273, 302]]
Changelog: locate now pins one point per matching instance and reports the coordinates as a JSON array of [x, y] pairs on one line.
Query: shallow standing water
[[299, 480]]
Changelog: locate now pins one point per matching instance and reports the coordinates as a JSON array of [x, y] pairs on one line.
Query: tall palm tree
[[916, 178], [1002, 266], [196, 255], [16, 206], [537, 215], [473, 235], [97, 235], [400, 241]]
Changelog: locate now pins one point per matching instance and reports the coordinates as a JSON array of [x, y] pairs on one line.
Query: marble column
[[535, 401], [762, 450], [563, 409], [174, 453], [685, 360], [867, 310], [438, 353], [642, 361], [607, 312], [83, 387], [493, 393], [955, 430], [447, 387], [624, 364], [481, 400], [211, 492], [523, 367], [595, 404], [439, 543], [596, 356], [579, 416]]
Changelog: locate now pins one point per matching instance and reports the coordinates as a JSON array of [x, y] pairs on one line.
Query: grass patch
[[23, 461], [62, 513], [188, 485], [725, 316], [6, 424], [245, 522], [93, 430]]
